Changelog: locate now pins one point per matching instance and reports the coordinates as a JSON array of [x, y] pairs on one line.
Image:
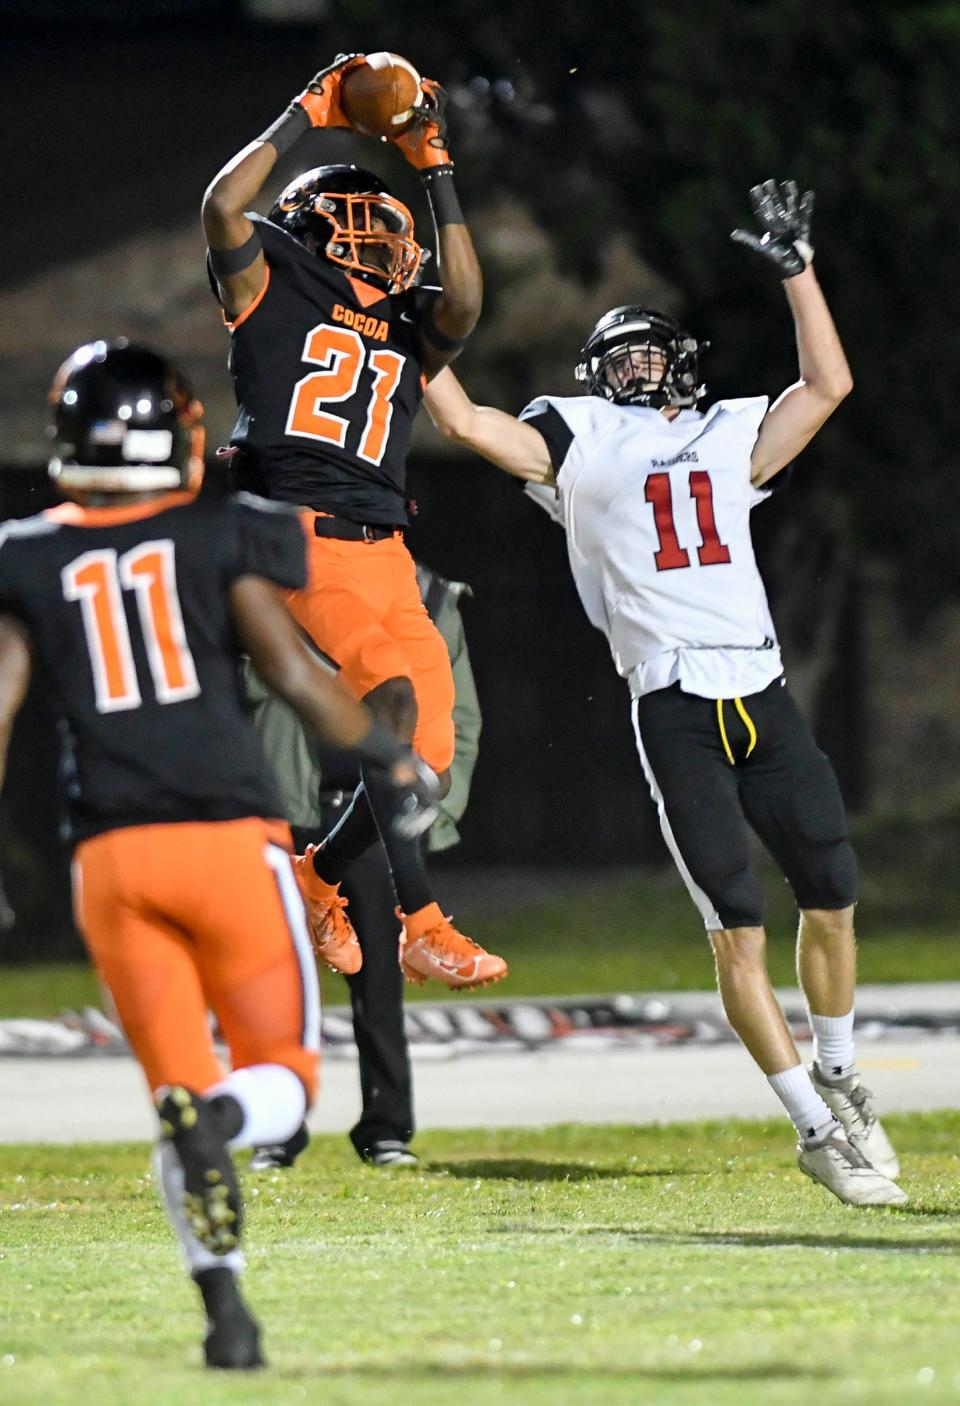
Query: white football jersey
[[657, 516]]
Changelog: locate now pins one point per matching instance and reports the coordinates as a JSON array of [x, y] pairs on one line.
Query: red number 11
[[671, 555]]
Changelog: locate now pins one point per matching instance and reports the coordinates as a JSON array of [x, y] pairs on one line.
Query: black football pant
[[376, 996], [718, 765]]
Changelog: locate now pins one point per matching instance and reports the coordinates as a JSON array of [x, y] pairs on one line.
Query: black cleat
[[211, 1193], [233, 1334], [280, 1154], [390, 1152]]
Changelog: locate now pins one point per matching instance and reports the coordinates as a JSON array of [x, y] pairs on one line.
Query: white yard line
[[103, 1100]]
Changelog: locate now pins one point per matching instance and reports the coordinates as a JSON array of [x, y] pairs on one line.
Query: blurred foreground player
[[655, 497], [134, 600], [330, 343]]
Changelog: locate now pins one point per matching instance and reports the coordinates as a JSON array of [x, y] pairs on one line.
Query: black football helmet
[[336, 206], [617, 360], [123, 421]]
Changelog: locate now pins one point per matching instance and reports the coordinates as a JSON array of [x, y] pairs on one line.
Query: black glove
[[785, 221], [421, 803]]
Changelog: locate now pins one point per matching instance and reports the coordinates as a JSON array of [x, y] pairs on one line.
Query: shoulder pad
[[37, 526], [749, 409], [583, 414], [278, 245]]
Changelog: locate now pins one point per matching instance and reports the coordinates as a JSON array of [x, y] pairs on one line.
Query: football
[[381, 95]]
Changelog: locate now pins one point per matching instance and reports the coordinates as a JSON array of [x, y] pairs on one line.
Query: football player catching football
[[135, 597], [655, 496], [331, 339]]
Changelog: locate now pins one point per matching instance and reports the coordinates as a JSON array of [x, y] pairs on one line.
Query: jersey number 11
[[671, 555], [97, 580]]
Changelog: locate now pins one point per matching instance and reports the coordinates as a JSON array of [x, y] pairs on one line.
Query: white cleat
[[852, 1105], [841, 1168]]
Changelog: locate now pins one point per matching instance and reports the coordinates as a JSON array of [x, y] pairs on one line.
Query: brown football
[[381, 95]]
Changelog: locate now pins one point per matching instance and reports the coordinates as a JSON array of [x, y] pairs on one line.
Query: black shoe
[[390, 1152], [199, 1131], [233, 1334], [280, 1154]]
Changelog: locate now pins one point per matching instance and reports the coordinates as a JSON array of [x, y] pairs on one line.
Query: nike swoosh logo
[[405, 317]]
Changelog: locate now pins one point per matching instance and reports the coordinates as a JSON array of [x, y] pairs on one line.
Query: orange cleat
[[331, 931], [430, 946]]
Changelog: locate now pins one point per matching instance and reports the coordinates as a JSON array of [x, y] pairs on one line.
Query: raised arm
[[236, 255], [14, 680], [512, 445], [825, 378], [453, 316]]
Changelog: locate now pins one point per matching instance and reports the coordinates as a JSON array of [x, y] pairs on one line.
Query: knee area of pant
[[738, 898], [306, 1066], [832, 881], [434, 740]]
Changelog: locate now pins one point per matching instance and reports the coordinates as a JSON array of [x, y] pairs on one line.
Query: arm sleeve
[[269, 542], [555, 431], [422, 299]]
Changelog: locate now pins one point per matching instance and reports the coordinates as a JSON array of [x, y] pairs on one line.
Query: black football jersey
[[128, 611], [328, 379]]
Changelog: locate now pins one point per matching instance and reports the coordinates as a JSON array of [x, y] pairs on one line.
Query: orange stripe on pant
[[181, 918], [362, 608]]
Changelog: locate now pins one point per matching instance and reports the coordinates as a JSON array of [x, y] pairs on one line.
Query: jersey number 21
[[342, 357]]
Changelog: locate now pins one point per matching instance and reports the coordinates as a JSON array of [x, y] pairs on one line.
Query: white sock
[[273, 1100], [833, 1043], [169, 1174], [806, 1109]]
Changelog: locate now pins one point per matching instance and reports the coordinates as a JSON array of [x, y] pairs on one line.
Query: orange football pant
[[184, 918], [362, 608]]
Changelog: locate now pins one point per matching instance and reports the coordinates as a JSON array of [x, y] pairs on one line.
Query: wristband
[[289, 126], [442, 196], [438, 339], [380, 747], [224, 263]]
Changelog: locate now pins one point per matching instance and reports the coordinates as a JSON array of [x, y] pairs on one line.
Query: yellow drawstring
[[747, 722], [723, 732]]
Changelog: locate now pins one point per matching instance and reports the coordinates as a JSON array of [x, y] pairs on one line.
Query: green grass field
[[639, 936], [684, 1265]]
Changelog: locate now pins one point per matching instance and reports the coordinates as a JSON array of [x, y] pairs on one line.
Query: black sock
[[410, 880], [370, 818], [230, 1114], [218, 1289], [352, 836]]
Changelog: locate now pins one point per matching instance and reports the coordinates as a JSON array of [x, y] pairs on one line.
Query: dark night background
[[603, 155]]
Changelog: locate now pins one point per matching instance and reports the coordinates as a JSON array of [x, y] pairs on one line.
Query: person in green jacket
[[316, 785]]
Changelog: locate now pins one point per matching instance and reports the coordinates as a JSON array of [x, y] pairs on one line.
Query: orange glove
[[320, 99], [424, 143]]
